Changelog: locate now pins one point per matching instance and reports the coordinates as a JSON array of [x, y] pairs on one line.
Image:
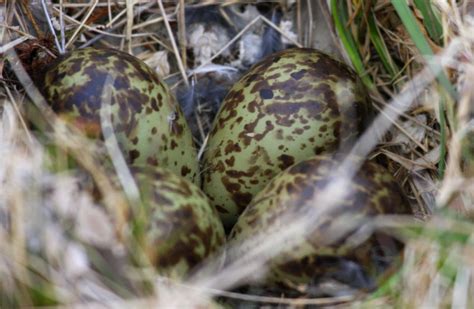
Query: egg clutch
[[272, 147]]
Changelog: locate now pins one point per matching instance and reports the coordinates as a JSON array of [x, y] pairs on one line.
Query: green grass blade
[[421, 43], [380, 46], [430, 20], [339, 14], [388, 287]]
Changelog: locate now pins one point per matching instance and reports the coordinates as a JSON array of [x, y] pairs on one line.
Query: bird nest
[[59, 247]]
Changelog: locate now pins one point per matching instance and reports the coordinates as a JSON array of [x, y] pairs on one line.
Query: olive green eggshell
[[294, 104], [373, 191], [467, 154], [181, 227], [149, 124]]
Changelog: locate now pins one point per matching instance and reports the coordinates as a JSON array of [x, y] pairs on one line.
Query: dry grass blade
[[124, 175], [17, 111], [82, 24], [285, 35], [322, 301], [61, 24], [173, 43], [399, 127], [182, 31], [51, 27], [12, 44]]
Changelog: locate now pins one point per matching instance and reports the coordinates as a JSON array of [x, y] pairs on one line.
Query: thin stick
[[271, 24], [310, 23], [27, 11], [128, 28], [15, 30], [268, 299], [285, 300], [109, 10], [427, 127], [114, 19], [104, 4], [19, 238], [51, 27], [399, 127], [256, 19], [5, 47], [298, 20], [199, 122], [159, 42], [182, 30], [84, 20], [19, 19], [61, 23], [19, 114], [173, 43], [150, 21], [114, 35], [107, 32], [124, 174], [203, 147]]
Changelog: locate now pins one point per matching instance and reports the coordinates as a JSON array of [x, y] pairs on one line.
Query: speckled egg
[[148, 123], [372, 192], [289, 107], [180, 227]]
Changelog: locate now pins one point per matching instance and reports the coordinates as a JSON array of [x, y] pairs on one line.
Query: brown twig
[[25, 6], [173, 43]]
